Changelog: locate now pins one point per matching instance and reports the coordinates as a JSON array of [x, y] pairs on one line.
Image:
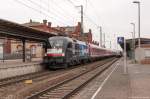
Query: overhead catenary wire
[[87, 17], [94, 9], [58, 11], [56, 14], [91, 20], [83, 13], [47, 10], [34, 9], [61, 9], [71, 3], [39, 11]]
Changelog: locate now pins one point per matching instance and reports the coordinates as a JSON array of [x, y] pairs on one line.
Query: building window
[[33, 50], [147, 53], [19, 48]]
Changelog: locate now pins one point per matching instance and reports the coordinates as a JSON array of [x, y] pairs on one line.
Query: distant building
[[75, 32], [45, 26], [87, 36], [70, 31], [141, 55]]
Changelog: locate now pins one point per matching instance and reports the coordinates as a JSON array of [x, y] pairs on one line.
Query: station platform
[[115, 84], [12, 68], [18, 62], [133, 85]]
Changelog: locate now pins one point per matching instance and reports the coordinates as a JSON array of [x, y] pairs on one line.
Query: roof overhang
[[18, 31], [129, 43]]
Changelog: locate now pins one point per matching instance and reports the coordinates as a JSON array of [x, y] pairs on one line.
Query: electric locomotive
[[64, 52]]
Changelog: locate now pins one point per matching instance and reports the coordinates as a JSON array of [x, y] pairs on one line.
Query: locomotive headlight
[[63, 54], [45, 54]]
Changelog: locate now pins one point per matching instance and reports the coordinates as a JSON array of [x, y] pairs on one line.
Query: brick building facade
[[70, 31]]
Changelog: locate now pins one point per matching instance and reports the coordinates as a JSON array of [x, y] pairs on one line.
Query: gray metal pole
[[82, 30], [82, 20], [104, 40], [133, 40], [100, 36], [125, 58], [139, 23], [24, 50], [134, 35], [3, 51]]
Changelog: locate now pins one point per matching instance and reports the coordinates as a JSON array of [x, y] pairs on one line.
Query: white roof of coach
[[107, 49], [95, 46], [81, 42]]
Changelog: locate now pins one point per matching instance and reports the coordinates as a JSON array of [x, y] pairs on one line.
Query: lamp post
[[139, 30], [82, 31], [100, 36], [104, 40], [133, 40]]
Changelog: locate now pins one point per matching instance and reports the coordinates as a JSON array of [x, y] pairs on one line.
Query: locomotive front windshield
[[58, 44]]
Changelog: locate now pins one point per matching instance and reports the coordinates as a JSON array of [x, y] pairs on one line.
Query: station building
[[142, 54], [12, 49]]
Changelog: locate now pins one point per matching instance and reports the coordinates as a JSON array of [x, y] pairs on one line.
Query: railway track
[[17, 79], [69, 87], [38, 75]]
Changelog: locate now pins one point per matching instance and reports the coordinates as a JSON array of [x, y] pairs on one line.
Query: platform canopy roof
[[129, 43], [14, 30]]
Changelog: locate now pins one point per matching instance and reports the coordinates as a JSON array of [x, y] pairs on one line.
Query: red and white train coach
[[97, 52]]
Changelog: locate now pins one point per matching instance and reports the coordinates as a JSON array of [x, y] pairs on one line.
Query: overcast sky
[[114, 16]]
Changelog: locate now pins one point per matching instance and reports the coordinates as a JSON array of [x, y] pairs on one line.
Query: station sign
[[120, 40]]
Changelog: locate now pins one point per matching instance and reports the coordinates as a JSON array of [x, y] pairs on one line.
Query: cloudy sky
[[114, 16]]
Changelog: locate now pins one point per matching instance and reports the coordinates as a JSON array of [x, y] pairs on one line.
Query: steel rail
[[12, 80], [84, 84], [17, 79], [37, 94]]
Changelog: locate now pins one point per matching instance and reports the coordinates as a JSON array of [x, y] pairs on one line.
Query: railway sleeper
[[55, 95], [42, 97], [57, 91]]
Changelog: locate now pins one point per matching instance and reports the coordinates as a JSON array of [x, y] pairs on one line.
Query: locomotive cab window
[[56, 43], [56, 46]]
